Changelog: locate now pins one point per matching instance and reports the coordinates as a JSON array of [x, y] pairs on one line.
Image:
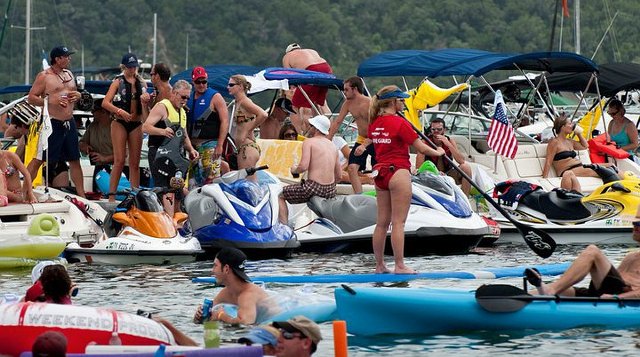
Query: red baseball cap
[[199, 72]]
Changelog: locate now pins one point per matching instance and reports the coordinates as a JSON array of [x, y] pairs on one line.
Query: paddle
[[539, 241], [508, 298]]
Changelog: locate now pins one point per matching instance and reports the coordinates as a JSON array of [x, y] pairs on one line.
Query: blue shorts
[[362, 159], [63, 142]]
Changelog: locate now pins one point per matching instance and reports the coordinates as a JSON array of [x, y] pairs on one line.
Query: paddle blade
[[539, 241], [501, 298]]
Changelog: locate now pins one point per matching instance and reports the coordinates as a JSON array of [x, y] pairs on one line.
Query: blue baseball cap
[[262, 335], [394, 94], [130, 60]]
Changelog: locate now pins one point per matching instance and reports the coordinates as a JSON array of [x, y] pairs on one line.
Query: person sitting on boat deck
[[228, 269], [57, 83], [265, 335], [49, 344], [391, 135], [562, 156], [280, 112], [437, 134], [306, 58], [96, 141], [17, 190], [168, 112], [299, 337], [356, 103], [19, 130], [288, 132], [606, 280], [320, 158], [248, 117], [621, 130]]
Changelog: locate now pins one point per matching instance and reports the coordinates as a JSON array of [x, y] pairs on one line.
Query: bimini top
[[218, 75], [612, 78], [297, 76], [459, 61]]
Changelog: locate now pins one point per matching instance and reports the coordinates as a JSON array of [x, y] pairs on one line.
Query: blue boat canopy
[[457, 61], [297, 76], [219, 75]]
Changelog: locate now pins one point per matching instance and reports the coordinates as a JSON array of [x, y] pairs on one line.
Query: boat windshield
[[148, 201]]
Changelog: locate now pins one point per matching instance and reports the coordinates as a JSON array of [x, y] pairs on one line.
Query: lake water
[[169, 290]]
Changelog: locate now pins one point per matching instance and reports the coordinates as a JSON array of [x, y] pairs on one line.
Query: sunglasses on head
[[200, 81], [291, 335], [231, 84]]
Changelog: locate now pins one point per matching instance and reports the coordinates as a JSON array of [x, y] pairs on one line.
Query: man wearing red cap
[[50, 344], [207, 125]]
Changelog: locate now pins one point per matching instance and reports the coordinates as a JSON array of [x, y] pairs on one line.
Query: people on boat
[[438, 135], [320, 159], [251, 299], [126, 100], [356, 103], [96, 141], [18, 130], [248, 116], [621, 129], [160, 75], [58, 85], [15, 190], [299, 337], [50, 344], [391, 136], [561, 155], [165, 115], [278, 116], [265, 335], [208, 126], [306, 58], [288, 132]]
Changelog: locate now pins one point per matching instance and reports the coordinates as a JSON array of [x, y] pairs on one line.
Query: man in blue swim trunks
[[58, 84], [606, 280]]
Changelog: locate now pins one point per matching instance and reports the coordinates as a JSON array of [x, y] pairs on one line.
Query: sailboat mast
[[577, 12], [27, 44]]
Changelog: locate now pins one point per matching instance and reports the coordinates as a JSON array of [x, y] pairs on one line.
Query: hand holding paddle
[[539, 241]]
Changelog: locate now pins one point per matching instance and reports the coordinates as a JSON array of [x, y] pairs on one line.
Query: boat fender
[[44, 224]]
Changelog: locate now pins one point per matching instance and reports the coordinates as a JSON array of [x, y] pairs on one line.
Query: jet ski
[[603, 217], [139, 231], [235, 212], [440, 221]]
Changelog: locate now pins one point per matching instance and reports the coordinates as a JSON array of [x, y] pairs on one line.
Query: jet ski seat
[[202, 209], [349, 212]]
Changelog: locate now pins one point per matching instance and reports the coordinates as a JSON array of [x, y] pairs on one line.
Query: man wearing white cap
[[319, 155]]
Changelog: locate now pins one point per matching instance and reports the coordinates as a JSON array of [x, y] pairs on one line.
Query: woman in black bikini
[[561, 154], [124, 101]]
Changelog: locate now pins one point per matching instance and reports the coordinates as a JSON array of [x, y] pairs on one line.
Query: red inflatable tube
[[22, 323]]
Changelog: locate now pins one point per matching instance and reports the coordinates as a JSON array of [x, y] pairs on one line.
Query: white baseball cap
[[37, 270], [321, 123]]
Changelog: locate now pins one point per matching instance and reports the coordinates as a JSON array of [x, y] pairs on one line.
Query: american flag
[[501, 138]]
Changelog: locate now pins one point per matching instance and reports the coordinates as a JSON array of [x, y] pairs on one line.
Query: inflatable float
[[40, 241], [21, 323]]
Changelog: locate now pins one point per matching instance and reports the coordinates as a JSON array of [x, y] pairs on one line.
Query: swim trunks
[[63, 142], [207, 168], [611, 284], [302, 192], [317, 94], [361, 160]]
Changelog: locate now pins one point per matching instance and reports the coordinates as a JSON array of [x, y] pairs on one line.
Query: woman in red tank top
[[391, 136]]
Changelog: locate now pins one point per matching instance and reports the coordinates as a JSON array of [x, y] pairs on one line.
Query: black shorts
[[611, 284], [362, 159], [63, 142]]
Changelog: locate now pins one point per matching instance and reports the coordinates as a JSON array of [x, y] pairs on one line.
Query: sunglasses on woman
[[231, 84], [290, 135]]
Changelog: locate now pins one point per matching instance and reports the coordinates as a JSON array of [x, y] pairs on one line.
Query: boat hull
[[424, 311]]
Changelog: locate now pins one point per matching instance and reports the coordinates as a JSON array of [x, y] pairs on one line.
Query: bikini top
[[241, 116], [9, 170], [564, 155]]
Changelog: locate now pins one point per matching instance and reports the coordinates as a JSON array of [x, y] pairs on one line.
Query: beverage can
[[207, 304]]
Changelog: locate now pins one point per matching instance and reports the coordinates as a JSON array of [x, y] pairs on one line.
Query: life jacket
[[511, 192], [122, 99], [446, 165], [202, 122]]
